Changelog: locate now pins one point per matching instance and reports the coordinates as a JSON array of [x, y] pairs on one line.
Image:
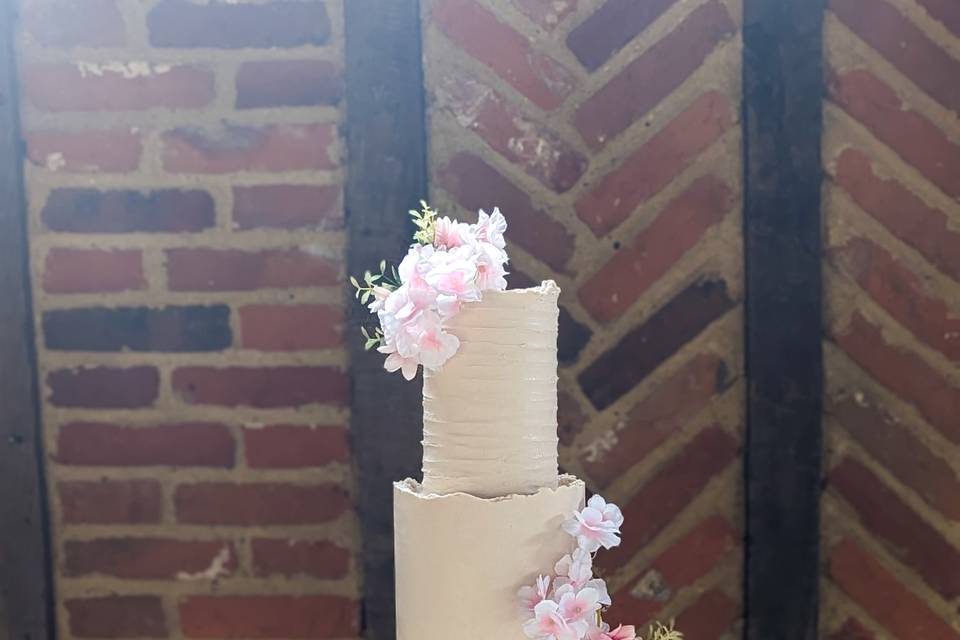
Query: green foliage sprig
[[388, 279], [425, 221]]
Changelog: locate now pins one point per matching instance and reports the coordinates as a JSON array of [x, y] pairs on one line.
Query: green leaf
[[369, 344], [366, 296], [363, 330], [354, 282], [383, 266]]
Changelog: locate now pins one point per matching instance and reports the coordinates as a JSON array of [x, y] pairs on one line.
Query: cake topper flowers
[[448, 264], [571, 610]]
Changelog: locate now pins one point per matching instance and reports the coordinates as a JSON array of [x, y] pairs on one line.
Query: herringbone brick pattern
[[891, 511], [608, 132]]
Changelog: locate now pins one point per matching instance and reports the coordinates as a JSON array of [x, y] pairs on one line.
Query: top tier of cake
[[490, 413]]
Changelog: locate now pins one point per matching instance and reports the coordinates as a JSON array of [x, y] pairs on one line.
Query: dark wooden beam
[[386, 176], [783, 89], [26, 609]]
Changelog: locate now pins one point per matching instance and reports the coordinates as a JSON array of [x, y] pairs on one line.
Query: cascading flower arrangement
[[568, 606], [449, 263]]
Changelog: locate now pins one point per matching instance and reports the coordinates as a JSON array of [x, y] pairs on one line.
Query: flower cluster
[[570, 608], [449, 263]]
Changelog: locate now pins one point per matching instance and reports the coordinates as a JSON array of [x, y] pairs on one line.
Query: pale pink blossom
[[490, 228], [574, 569], [623, 632], [548, 624], [597, 525], [576, 605], [380, 295], [530, 597], [436, 346], [394, 361], [457, 278], [449, 234], [490, 267]]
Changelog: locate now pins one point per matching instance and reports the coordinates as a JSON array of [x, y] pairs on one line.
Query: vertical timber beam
[[26, 594], [783, 89], [386, 176]]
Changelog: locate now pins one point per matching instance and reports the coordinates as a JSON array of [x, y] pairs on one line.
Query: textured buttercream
[[490, 413], [461, 559]]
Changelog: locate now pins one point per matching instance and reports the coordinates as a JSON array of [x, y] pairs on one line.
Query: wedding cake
[[493, 544]]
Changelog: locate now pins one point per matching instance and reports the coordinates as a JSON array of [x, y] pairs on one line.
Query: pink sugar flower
[[394, 361], [457, 278], [380, 295], [577, 605], [490, 228], [623, 632], [436, 346], [575, 569], [548, 624], [449, 234], [530, 597], [597, 525]]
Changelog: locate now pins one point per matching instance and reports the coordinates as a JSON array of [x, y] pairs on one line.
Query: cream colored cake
[[487, 517]]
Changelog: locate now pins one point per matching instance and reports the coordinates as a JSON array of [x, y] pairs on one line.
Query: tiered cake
[[487, 517]]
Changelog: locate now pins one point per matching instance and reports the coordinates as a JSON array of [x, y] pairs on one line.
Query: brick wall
[[891, 514], [183, 170], [609, 134]]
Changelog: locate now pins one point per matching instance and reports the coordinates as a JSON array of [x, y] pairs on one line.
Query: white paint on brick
[[55, 161], [129, 70], [217, 568]]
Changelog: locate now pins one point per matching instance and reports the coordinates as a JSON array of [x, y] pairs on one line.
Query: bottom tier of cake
[[461, 559]]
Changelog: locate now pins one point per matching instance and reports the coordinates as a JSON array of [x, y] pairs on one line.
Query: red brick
[[674, 232], [116, 86], [73, 23], [288, 207], [885, 598], [261, 387], [905, 215], [148, 558], [917, 140], [905, 46], [906, 535], [477, 185], [902, 293], [110, 502], [678, 482], [288, 83], [852, 630], [93, 151], [183, 24], [320, 616], [294, 446], [654, 165], [904, 373], [683, 563], [93, 271], [184, 329], [536, 75], [291, 327], [201, 269], [200, 444], [658, 416], [546, 14], [104, 387], [709, 618], [611, 27], [82, 210], [314, 558], [653, 76], [221, 503], [116, 617], [946, 11], [538, 151], [900, 452], [235, 147], [645, 347]]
